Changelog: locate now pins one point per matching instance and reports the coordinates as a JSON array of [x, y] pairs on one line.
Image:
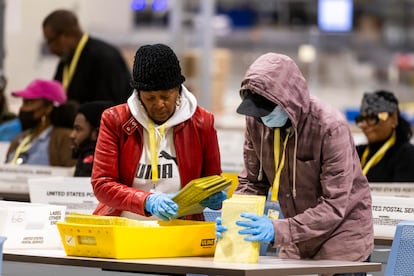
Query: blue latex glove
[[220, 228], [162, 206], [215, 201], [259, 228]]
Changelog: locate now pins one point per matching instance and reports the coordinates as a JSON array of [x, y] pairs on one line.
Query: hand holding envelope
[[258, 228]]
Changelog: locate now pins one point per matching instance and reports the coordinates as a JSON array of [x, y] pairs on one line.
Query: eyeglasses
[[371, 119]]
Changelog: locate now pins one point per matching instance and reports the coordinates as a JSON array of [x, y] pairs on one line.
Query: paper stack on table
[[232, 247], [188, 198]]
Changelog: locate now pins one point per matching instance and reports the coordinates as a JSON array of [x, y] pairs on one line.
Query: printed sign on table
[[73, 192], [388, 212], [14, 178], [392, 189]]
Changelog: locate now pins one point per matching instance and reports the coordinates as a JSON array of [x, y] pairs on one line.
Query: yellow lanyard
[[23, 147], [278, 166], [154, 143], [377, 156], [69, 71]]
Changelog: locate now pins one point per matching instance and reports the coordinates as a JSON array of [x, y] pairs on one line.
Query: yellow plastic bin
[[2, 239], [122, 238]]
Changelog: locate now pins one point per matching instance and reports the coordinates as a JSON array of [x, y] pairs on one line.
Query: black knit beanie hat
[[156, 67], [93, 111]]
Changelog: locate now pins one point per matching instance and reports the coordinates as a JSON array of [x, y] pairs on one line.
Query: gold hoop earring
[[178, 101]]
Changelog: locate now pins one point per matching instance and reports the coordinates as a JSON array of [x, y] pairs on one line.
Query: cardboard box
[[221, 60], [29, 225], [122, 238]]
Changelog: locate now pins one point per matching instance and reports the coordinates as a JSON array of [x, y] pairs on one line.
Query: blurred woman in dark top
[[388, 156]]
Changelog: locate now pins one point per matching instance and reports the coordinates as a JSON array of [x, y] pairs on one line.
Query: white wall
[[23, 34]]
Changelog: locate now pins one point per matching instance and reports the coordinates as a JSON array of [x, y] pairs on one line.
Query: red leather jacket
[[119, 148]]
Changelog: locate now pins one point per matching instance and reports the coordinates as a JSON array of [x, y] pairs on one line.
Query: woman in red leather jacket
[[153, 145]]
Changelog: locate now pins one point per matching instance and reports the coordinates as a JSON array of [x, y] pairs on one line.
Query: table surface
[[268, 265]]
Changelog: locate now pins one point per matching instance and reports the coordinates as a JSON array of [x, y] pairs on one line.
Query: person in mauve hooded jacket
[[323, 195]]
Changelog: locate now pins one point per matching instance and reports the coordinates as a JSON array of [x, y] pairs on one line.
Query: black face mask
[[28, 120]]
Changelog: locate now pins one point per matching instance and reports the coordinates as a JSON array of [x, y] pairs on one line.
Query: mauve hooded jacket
[[324, 196]]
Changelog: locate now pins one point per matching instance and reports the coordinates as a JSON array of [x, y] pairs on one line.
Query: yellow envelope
[[232, 247]]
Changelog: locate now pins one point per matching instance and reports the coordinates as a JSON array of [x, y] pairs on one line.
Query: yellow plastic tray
[[122, 238]]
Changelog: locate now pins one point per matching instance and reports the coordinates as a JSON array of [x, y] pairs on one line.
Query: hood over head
[[277, 78]]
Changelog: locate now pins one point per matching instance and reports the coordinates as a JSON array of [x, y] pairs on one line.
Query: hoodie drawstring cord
[[294, 165], [260, 176]]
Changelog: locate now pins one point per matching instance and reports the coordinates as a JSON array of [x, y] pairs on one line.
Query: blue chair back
[[401, 258], [211, 215], [2, 239]]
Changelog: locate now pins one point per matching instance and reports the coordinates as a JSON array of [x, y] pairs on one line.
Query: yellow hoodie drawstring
[[377, 156], [278, 166], [69, 71], [154, 143]]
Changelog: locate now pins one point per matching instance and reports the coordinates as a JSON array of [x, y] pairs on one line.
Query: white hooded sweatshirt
[[168, 175]]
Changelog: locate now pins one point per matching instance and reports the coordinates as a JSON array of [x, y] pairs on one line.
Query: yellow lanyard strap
[[154, 143], [278, 166], [24, 146], [377, 156], [69, 71]]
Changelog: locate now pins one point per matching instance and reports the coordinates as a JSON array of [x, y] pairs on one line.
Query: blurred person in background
[[9, 123], [388, 156], [152, 146], [303, 151], [84, 135], [45, 119], [89, 69]]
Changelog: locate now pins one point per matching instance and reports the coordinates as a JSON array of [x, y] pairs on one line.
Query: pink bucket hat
[[43, 89]]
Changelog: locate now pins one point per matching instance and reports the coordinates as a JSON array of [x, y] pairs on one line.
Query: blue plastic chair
[[401, 258], [211, 215], [2, 239]]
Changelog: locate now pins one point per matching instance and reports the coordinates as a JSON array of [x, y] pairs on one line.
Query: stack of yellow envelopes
[[232, 247], [189, 197]]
